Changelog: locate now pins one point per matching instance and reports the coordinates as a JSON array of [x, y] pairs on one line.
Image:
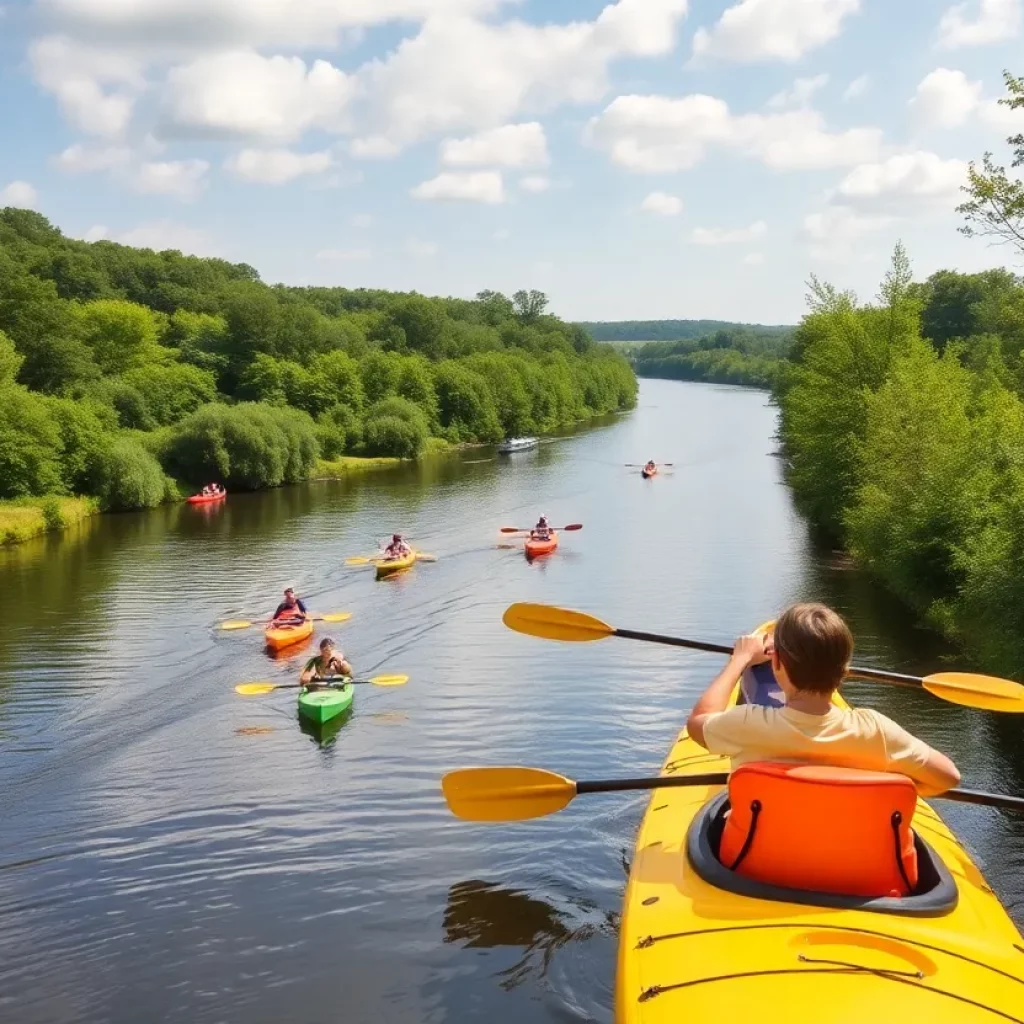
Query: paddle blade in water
[[422, 556], [555, 623], [389, 680], [337, 617], [235, 624], [505, 794], [975, 691], [252, 689], [358, 560], [573, 526]]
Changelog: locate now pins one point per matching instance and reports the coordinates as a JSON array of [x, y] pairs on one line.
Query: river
[[170, 851]]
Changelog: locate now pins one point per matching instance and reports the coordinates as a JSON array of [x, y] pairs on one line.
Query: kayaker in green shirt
[[329, 662]]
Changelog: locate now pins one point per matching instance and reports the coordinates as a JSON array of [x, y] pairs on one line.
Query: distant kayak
[[648, 473], [517, 444], [321, 705], [206, 499], [389, 566], [278, 637], [535, 548]]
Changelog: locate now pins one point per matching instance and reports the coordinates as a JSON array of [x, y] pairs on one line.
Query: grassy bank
[[336, 469], [24, 518]]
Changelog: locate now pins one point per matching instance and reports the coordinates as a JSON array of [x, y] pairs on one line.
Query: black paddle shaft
[[700, 645], [963, 796]]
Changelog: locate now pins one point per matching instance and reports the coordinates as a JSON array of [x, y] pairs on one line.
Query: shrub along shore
[[128, 374]]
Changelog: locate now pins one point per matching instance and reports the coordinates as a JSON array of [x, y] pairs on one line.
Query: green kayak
[[325, 702]]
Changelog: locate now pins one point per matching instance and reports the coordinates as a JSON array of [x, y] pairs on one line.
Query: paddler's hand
[[752, 649]]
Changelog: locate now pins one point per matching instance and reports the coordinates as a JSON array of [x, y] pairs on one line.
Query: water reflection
[[485, 915]]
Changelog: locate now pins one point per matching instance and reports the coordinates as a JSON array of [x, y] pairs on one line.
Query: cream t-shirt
[[844, 738]]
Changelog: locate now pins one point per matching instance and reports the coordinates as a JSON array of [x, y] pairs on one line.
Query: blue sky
[[634, 159]]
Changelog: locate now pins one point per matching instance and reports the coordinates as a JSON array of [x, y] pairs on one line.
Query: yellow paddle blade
[[389, 680], [555, 623], [422, 556], [336, 617], [250, 689], [975, 691], [235, 624], [358, 560], [506, 794]]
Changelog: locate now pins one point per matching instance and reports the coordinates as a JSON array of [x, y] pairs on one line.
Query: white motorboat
[[517, 444]]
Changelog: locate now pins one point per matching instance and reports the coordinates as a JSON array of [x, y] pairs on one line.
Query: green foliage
[[466, 410], [122, 335], [126, 476], [395, 427], [671, 331], [10, 360], [30, 444], [246, 446], [53, 514], [172, 390]]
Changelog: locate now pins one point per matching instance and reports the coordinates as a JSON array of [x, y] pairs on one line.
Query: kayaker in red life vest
[[397, 548], [290, 611], [810, 652], [541, 531], [329, 662]]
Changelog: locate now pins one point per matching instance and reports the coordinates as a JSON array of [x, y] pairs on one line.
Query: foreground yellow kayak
[[389, 566], [691, 951]]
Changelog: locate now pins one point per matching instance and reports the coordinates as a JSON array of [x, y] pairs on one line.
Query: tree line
[[750, 356], [902, 423], [123, 370], [672, 330]]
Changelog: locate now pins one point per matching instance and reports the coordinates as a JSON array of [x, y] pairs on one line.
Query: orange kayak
[[284, 636], [535, 547]]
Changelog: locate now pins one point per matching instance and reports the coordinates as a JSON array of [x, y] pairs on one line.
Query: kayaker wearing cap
[[290, 611], [329, 662], [810, 652], [651, 466], [397, 548], [541, 531]]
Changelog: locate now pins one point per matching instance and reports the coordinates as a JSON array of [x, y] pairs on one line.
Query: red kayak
[[535, 548], [206, 499]]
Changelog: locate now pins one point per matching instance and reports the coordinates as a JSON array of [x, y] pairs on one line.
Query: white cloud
[[502, 235], [76, 75], [979, 23], [362, 220], [753, 259], [277, 166], [20, 194], [945, 98], [535, 183], [243, 94], [921, 178], [511, 145], [344, 255], [374, 147], [193, 24], [663, 203], [840, 225], [857, 87], [799, 94], [728, 236], [183, 179], [465, 73], [658, 134], [160, 235], [420, 249], [83, 159], [474, 186], [754, 30]]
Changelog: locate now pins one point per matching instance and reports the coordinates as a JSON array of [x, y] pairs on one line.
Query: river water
[[170, 851]]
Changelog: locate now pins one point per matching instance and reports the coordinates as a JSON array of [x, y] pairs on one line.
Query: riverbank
[[22, 519]]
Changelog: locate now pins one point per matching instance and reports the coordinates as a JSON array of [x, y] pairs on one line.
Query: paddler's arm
[[749, 650], [309, 672]]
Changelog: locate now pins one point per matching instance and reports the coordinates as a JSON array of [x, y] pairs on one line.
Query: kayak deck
[[322, 705], [691, 951], [536, 548], [388, 567], [278, 637]]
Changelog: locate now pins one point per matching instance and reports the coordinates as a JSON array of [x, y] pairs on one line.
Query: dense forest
[[736, 355], [672, 330], [902, 422], [124, 370]]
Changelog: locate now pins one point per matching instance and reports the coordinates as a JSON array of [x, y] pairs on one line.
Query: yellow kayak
[[389, 566], [691, 951]]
